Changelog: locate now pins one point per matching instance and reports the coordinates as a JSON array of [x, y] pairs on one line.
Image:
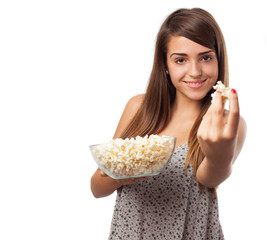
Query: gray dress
[[167, 206]]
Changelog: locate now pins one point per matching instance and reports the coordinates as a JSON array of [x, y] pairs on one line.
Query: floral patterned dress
[[167, 206]]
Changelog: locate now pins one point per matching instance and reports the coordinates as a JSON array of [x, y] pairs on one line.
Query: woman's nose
[[195, 70]]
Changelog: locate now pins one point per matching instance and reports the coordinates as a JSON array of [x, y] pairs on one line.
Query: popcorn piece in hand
[[221, 88]]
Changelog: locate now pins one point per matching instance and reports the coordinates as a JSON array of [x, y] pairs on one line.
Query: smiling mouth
[[195, 84]]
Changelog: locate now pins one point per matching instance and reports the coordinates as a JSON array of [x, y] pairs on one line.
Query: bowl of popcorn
[[134, 157]]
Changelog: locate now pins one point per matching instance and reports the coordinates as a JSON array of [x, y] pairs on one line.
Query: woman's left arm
[[221, 137]]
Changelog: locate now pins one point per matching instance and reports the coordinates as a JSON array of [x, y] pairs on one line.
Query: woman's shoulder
[[241, 136], [242, 130], [131, 108], [135, 102], [242, 126]]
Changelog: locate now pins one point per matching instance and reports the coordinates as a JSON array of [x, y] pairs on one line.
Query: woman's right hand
[[126, 181]]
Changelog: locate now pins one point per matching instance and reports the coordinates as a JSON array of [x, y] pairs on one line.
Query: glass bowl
[[135, 158]]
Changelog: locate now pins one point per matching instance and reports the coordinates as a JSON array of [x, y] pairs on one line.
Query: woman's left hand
[[217, 133]]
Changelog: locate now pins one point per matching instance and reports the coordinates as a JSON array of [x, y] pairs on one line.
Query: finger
[[233, 118], [205, 124], [217, 108], [137, 179], [103, 174], [209, 111], [217, 104], [127, 181], [134, 180]]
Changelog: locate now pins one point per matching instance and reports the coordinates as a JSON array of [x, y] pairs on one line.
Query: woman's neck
[[186, 107]]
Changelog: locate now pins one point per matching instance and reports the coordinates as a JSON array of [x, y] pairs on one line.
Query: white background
[[67, 69]]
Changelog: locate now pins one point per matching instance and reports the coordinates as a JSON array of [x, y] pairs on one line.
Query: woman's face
[[193, 68]]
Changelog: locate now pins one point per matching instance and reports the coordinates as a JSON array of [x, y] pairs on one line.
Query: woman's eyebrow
[[203, 53], [184, 54]]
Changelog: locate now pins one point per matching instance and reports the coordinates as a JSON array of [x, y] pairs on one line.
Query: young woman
[[181, 202]]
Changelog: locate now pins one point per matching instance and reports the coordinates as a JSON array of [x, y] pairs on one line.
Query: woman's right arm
[[101, 184]]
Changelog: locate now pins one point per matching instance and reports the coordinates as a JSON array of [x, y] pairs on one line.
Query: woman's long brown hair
[[155, 112]]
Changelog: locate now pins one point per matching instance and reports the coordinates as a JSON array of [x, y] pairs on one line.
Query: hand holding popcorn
[[217, 133]]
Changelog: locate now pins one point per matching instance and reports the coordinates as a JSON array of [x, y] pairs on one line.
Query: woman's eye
[[180, 60], [206, 58]]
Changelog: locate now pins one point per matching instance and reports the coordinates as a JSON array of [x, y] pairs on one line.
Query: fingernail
[[233, 90]]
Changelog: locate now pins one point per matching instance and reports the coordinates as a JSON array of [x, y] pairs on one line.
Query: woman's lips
[[195, 84]]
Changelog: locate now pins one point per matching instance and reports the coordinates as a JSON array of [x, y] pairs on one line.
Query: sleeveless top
[[167, 206]]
